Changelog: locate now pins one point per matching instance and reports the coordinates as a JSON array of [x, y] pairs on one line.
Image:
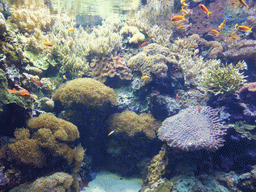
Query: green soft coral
[[223, 80]]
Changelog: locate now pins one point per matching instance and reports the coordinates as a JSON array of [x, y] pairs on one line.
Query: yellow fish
[[244, 4], [180, 27], [204, 9], [49, 44], [222, 24], [245, 28], [178, 18], [182, 2], [216, 32], [71, 30], [145, 77]]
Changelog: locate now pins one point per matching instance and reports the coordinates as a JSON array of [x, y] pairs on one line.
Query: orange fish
[[37, 82], [185, 11], [145, 77], [244, 4], [216, 32], [13, 90], [48, 44], [24, 93], [71, 30], [236, 25], [182, 2], [178, 18], [204, 9], [180, 27], [222, 24], [144, 44], [245, 28]]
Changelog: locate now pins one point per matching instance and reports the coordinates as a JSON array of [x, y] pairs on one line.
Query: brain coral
[[85, 91], [193, 129]]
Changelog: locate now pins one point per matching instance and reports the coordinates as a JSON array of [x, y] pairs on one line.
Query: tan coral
[[248, 87]]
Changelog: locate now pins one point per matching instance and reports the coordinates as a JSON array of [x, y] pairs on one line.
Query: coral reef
[[152, 60], [223, 80], [109, 67], [157, 168], [85, 91], [57, 182], [240, 49], [131, 123], [193, 129]]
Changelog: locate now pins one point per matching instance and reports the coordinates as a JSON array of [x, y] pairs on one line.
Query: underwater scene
[[128, 96]]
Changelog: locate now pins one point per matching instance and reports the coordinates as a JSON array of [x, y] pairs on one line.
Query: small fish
[[223, 24], [217, 33], [24, 93], [178, 18], [50, 88], [172, 56], [145, 77], [147, 60], [185, 11], [49, 44], [64, 77], [71, 30], [177, 97], [182, 2], [244, 4], [36, 82], [204, 9], [111, 132], [144, 44], [245, 28], [199, 108], [180, 27], [236, 25]]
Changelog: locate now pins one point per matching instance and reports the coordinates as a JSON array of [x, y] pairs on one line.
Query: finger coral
[[110, 67], [85, 91], [131, 123], [191, 130]]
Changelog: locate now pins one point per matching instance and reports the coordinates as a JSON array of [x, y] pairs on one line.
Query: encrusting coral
[[131, 123], [223, 80], [157, 168], [109, 67], [57, 182], [193, 129], [137, 36], [85, 91]]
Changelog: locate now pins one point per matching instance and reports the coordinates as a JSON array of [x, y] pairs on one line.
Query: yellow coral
[[85, 91], [131, 123]]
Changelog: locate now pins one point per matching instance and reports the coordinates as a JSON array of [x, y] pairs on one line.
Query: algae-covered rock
[[7, 98]]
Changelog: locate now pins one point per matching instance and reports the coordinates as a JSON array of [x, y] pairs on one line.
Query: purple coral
[[193, 129]]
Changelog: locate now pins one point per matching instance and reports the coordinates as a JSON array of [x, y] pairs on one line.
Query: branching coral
[[131, 123], [110, 67], [152, 60], [28, 20], [85, 91], [241, 49], [193, 130], [223, 80]]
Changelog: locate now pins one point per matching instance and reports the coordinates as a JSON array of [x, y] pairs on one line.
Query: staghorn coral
[[28, 20], [85, 91], [223, 80], [57, 182], [240, 49], [110, 67], [131, 123], [157, 168], [193, 130], [152, 60]]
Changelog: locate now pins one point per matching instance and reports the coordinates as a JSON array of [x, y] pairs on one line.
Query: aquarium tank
[[128, 96]]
